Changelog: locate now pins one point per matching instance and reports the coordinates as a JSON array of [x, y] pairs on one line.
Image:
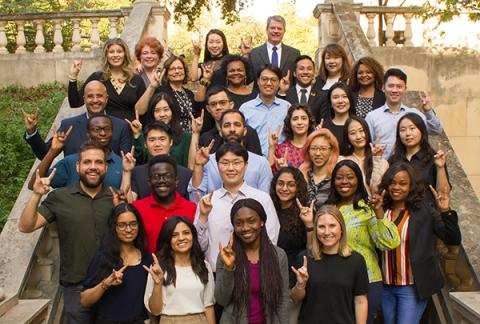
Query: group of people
[[271, 195]]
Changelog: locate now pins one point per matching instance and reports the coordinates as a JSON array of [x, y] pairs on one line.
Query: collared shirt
[[383, 123], [299, 91], [317, 192], [154, 215], [67, 171], [219, 228], [270, 52], [265, 118], [82, 225], [257, 175]]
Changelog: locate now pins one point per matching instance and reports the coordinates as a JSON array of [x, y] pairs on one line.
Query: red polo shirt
[[153, 215]]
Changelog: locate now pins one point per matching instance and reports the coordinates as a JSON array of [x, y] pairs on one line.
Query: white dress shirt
[[299, 92], [218, 228]]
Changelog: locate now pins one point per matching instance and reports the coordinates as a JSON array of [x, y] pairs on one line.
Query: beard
[[89, 184], [234, 138]]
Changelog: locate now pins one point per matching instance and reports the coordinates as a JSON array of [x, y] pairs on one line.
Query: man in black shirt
[[218, 101]]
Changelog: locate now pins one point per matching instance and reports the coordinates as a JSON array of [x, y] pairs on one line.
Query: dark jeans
[[74, 312], [374, 296]]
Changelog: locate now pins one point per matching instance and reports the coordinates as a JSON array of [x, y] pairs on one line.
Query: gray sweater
[[224, 291]]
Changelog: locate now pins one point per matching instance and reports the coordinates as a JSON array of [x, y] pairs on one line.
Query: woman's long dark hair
[[165, 253], [350, 96], [289, 218], [271, 289], [368, 161], [360, 194], [287, 122], [207, 56], [400, 150], [111, 244], [417, 188], [174, 122]]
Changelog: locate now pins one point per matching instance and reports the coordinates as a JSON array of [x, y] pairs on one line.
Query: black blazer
[[259, 57], [378, 99], [317, 102], [425, 226], [121, 137]]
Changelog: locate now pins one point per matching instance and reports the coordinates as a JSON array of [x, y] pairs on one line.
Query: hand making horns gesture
[[118, 197], [282, 161], [306, 213], [31, 120], [285, 83], [135, 125], [227, 254], [274, 136], [59, 139], [197, 123], [301, 274], [75, 69], [202, 155], [377, 148], [128, 160], [41, 186], [155, 271], [115, 278], [440, 158], [376, 202]]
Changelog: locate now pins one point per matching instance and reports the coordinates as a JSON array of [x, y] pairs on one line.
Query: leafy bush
[[16, 156]]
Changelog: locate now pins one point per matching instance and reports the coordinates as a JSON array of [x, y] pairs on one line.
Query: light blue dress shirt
[[257, 175], [383, 123], [265, 118]]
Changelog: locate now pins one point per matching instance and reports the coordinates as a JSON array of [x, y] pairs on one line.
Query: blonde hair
[[127, 60], [343, 249]]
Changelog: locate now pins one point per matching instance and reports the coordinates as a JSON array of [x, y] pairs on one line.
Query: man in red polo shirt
[[164, 202]]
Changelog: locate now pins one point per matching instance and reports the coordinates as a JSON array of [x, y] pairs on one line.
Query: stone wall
[[451, 78]]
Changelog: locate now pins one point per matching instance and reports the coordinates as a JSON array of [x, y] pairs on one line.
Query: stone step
[[27, 311]]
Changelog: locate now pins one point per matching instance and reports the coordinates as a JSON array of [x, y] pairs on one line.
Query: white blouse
[[188, 296]]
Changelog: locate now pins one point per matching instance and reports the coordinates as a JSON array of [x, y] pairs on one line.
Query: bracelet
[[204, 82]]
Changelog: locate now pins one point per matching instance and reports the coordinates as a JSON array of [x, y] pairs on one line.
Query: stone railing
[[72, 23], [396, 21]]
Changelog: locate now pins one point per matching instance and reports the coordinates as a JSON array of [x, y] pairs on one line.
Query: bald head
[[95, 97]]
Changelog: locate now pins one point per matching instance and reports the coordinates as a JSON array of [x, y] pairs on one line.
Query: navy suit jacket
[[259, 57], [121, 137]]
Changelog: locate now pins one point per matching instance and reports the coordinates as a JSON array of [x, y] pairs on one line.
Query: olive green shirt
[[82, 224]]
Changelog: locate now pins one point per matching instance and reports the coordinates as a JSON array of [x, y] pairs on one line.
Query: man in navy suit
[[273, 51], [306, 91], [95, 97]]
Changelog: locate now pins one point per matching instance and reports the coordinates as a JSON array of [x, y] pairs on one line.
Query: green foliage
[[17, 157], [445, 10]]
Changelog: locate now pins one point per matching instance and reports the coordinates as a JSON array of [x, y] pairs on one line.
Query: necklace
[[118, 84]]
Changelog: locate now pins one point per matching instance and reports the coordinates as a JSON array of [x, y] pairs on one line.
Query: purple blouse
[[256, 309]]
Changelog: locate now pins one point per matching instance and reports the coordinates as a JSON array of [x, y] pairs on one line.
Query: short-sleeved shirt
[[154, 215], [333, 283], [67, 171], [82, 224], [123, 302]]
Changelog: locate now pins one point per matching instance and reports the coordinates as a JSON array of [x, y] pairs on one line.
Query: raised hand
[[285, 83], [207, 71], [426, 101], [31, 120], [440, 158], [138, 68], [75, 69], [135, 125], [273, 137], [306, 213], [377, 148], [59, 139], [227, 254], [155, 271], [197, 49], [115, 278], [442, 199], [203, 154], [246, 46], [320, 125], [282, 161], [157, 77], [41, 186], [197, 123], [301, 274], [128, 160], [205, 205], [376, 202], [118, 196]]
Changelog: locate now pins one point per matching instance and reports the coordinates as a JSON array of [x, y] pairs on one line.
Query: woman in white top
[[180, 284], [368, 155]]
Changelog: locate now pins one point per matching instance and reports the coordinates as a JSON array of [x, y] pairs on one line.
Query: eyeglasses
[[165, 176], [100, 129], [123, 226], [264, 79], [321, 149], [220, 103], [235, 163]]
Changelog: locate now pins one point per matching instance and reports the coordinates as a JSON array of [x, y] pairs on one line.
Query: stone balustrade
[[82, 26], [397, 24]]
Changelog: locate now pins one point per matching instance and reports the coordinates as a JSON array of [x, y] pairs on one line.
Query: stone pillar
[[158, 24]]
